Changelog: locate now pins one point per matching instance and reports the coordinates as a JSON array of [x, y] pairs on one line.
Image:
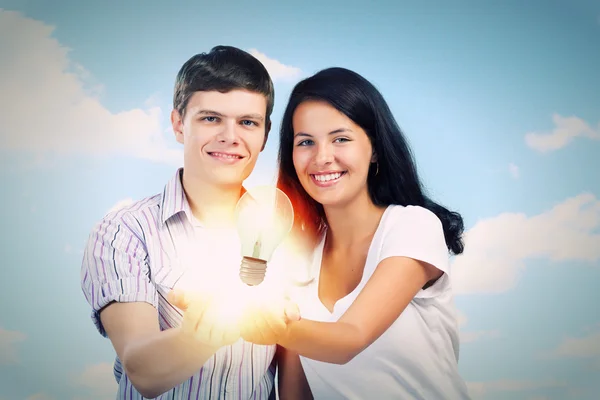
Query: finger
[[177, 298], [263, 328], [204, 326], [246, 325], [218, 327], [199, 298], [253, 328], [191, 317], [231, 335], [216, 334], [291, 311], [228, 334], [274, 321], [203, 302]]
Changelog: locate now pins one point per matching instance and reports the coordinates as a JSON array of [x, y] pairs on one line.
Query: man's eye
[[209, 119], [248, 122]]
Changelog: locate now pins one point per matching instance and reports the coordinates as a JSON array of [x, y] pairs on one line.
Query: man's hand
[[265, 322], [202, 319]]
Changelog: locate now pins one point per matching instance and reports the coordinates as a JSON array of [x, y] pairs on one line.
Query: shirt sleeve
[[115, 268], [417, 233]]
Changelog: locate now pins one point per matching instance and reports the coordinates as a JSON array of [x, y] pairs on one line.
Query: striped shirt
[[136, 254]]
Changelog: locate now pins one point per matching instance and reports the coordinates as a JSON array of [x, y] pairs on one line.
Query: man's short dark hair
[[223, 69]]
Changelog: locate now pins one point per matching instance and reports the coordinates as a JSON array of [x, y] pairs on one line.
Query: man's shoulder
[[135, 208], [131, 216]]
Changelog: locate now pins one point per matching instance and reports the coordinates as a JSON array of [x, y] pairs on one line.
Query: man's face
[[222, 135]]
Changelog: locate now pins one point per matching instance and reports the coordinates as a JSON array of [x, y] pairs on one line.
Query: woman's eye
[[304, 143]]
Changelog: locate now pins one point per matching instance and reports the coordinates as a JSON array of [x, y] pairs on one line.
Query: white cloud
[[467, 336], [277, 70], [99, 380], [120, 204], [566, 129], [514, 170], [50, 106], [585, 347], [479, 389], [496, 248], [9, 341], [472, 336], [40, 396]]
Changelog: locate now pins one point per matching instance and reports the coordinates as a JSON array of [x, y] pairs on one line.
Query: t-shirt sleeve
[[417, 233], [115, 268]]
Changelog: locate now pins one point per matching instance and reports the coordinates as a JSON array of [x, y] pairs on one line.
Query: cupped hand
[[265, 321], [204, 320]]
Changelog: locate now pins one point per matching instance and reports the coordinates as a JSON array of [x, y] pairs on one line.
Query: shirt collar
[[174, 199]]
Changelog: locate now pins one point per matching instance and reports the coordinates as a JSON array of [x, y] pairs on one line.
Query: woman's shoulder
[[412, 215]]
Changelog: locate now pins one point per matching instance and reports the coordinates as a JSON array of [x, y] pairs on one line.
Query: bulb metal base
[[252, 271]]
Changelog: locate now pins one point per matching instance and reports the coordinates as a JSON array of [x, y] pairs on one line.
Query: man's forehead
[[232, 103]]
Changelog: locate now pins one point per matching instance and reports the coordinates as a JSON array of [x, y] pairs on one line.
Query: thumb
[[177, 298], [292, 312]]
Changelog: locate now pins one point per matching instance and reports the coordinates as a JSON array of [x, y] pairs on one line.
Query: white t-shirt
[[417, 357]]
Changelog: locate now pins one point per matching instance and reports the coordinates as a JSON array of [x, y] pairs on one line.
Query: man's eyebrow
[[218, 114], [208, 112], [333, 132], [253, 116]]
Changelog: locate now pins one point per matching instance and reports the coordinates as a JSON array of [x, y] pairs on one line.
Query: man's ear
[[177, 124], [267, 130]]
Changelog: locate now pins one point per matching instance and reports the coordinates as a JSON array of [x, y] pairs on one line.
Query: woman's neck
[[353, 223]]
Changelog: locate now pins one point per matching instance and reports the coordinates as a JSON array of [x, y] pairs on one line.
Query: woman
[[378, 321]]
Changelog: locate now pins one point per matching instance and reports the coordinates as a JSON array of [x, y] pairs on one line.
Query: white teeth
[[230, 156], [327, 177]]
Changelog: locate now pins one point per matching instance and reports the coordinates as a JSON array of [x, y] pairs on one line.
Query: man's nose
[[228, 133]]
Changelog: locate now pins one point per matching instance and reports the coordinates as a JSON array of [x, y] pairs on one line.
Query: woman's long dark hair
[[393, 181]]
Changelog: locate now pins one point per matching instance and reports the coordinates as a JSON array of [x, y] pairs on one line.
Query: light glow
[[264, 216]]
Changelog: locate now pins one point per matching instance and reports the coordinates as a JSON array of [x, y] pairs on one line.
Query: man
[[136, 256]]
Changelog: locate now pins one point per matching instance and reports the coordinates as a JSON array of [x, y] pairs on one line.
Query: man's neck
[[213, 206]]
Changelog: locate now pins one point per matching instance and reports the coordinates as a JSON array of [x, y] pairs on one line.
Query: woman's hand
[[265, 321]]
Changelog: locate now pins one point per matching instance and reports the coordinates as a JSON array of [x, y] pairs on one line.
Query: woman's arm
[[292, 383], [391, 288]]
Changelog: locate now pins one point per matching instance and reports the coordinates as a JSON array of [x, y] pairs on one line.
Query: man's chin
[[227, 180]]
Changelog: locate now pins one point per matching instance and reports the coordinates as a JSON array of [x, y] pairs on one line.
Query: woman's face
[[331, 154]]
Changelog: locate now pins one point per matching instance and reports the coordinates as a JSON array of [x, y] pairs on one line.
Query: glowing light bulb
[[264, 217]]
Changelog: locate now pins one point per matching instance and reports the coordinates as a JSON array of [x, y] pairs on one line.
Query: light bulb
[[264, 216]]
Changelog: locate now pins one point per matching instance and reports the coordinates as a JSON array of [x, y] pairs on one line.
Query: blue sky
[[501, 103]]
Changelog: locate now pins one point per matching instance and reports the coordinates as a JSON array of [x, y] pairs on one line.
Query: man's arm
[[292, 383], [155, 361], [115, 281]]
